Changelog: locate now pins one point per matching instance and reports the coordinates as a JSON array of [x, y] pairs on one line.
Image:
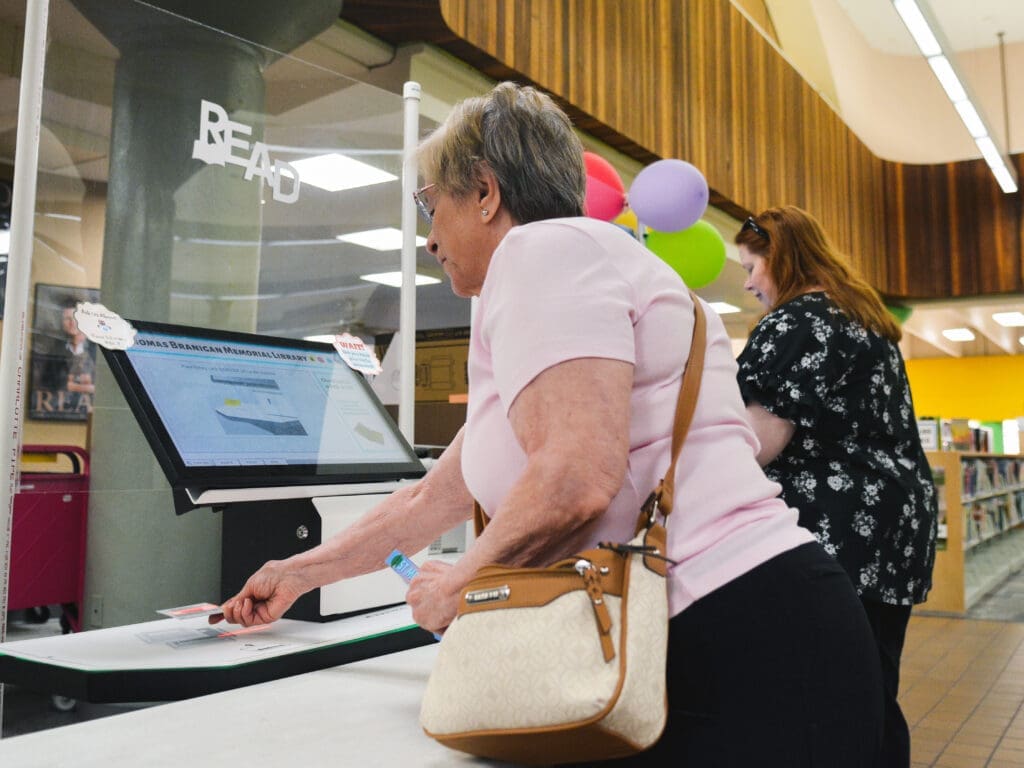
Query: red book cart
[[48, 531]]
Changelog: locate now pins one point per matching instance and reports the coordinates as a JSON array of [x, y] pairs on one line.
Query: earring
[[484, 212]]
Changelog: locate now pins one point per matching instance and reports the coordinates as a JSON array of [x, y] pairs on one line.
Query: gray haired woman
[[576, 357]]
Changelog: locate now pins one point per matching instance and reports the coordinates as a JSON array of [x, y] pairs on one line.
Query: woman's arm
[[572, 422], [408, 519], [773, 432]]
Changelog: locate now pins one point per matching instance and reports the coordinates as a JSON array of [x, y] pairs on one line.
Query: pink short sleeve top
[[564, 289]]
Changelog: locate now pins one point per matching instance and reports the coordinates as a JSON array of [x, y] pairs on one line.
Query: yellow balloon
[[627, 219]]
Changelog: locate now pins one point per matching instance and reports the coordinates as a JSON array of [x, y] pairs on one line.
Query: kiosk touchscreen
[[224, 410]]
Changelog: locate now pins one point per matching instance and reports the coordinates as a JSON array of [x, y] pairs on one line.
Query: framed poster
[[62, 372]]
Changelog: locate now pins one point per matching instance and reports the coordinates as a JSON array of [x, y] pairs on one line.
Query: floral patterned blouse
[[854, 467]]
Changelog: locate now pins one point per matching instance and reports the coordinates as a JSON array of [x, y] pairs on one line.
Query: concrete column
[[165, 214]]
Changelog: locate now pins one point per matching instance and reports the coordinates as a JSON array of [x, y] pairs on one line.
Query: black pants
[[777, 669], [889, 625]]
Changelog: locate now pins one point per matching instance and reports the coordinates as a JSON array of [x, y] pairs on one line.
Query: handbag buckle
[[650, 506], [478, 596]]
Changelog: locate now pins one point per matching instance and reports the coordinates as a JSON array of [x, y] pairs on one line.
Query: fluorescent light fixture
[[989, 152], [1009, 319], [383, 239], [927, 36], [1006, 182], [394, 279], [335, 172], [327, 338], [919, 29], [958, 334], [723, 308], [971, 118], [947, 77]]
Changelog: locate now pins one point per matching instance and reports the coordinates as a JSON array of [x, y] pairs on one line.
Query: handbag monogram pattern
[[565, 663]]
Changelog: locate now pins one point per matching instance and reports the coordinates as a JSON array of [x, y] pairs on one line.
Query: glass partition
[[195, 171]]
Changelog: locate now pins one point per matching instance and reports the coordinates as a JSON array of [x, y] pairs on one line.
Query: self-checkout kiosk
[[282, 437], [291, 446]]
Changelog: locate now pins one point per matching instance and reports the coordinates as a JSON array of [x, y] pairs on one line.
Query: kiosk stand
[[257, 531], [291, 446]]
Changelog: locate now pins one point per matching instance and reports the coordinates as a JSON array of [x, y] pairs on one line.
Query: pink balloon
[[602, 201], [606, 194], [669, 195]]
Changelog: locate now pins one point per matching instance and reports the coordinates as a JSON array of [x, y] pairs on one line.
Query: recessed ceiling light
[[1009, 319], [394, 279], [335, 172], [723, 308], [65, 216], [958, 334], [384, 239]]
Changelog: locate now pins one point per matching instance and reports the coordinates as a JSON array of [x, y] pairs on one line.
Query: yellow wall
[[983, 388]]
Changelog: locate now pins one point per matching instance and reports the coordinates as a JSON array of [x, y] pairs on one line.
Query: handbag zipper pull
[[592, 581]]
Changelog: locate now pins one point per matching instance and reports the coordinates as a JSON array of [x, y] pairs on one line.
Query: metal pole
[[407, 303], [19, 272], [1006, 105]]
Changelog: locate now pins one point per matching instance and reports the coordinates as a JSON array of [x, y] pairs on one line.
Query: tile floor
[[962, 692], [962, 686]]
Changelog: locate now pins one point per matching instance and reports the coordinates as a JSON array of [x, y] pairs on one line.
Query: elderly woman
[[576, 358], [827, 393]]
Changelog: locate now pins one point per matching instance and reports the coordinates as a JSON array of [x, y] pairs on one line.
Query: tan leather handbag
[[565, 663]]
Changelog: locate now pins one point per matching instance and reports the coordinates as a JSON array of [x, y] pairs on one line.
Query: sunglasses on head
[[754, 227]]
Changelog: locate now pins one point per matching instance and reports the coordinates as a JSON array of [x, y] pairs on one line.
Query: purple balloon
[[669, 195]]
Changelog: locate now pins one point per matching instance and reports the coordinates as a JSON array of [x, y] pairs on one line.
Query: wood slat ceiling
[[400, 22], [727, 101]]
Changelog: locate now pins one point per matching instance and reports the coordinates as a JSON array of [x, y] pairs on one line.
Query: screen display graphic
[[216, 404]]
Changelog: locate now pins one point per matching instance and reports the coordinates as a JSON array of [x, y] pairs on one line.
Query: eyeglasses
[[756, 228], [423, 205]]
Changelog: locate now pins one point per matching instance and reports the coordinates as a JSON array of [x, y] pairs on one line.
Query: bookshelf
[[981, 526]]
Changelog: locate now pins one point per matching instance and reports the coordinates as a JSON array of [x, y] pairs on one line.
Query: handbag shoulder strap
[[662, 496]]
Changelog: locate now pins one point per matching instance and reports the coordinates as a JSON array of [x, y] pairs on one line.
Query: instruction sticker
[[103, 327], [356, 354]]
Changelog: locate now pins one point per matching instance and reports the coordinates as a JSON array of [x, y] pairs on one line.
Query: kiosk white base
[[272, 529], [382, 587]]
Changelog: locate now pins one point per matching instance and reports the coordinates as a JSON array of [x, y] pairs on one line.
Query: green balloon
[[697, 254], [900, 312]]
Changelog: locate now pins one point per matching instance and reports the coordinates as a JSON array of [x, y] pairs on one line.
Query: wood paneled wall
[[694, 79], [952, 231]]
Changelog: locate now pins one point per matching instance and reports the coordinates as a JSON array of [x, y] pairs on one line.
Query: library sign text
[[220, 143]]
